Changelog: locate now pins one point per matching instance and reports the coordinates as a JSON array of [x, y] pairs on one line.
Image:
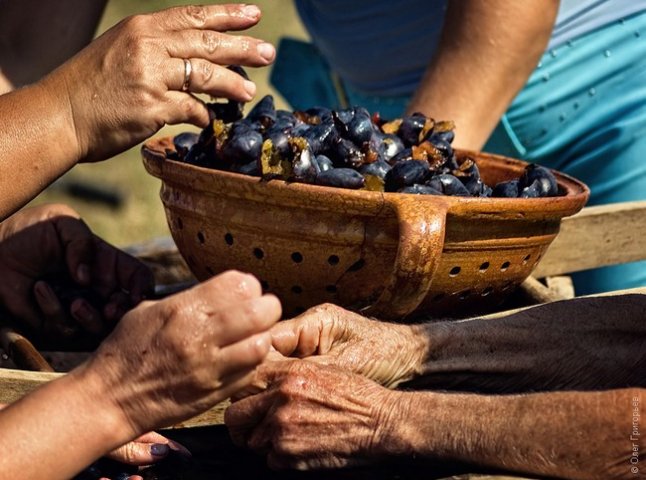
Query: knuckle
[[212, 41], [240, 280], [135, 24], [195, 14], [206, 71]]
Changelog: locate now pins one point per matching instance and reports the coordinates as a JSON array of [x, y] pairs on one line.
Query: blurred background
[[140, 216]]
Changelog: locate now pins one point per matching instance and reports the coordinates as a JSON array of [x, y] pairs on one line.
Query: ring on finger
[[188, 70]]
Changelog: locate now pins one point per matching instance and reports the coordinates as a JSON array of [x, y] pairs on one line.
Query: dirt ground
[[141, 215]]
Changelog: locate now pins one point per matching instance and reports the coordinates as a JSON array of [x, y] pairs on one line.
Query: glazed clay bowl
[[389, 255]]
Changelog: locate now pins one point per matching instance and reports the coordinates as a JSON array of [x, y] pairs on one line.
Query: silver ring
[[188, 70]]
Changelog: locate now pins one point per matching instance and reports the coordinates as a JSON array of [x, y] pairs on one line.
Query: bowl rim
[[155, 158]]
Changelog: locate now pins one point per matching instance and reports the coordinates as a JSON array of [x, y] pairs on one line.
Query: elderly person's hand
[[387, 353], [47, 242], [313, 416], [133, 79]]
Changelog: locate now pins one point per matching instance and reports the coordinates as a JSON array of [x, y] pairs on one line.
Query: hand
[[170, 360], [52, 241], [387, 353], [127, 84], [313, 416]]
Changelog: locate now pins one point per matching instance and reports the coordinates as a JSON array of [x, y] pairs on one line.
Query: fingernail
[[266, 51], [83, 273], [82, 311], [44, 292], [251, 11], [159, 449], [250, 88]]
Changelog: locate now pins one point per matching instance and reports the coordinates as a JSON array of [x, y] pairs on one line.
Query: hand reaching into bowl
[[127, 84]]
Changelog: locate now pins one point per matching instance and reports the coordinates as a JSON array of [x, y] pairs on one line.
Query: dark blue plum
[[341, 177], [405, 174]]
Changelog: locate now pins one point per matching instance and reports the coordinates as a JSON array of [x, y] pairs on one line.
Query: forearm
[[37, 142], [60, 428], [487, 51], [585, 344], [37, 36], [589, 435]]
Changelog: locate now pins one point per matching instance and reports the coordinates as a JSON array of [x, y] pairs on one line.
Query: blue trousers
[[582, 111]]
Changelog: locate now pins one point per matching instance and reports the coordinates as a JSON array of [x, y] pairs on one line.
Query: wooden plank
[[15, 384], [596, 237]]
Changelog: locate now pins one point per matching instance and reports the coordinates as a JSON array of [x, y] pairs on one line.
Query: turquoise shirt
[[393, 41]]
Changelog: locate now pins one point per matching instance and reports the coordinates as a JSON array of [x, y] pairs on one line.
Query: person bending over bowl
[[554, 391]]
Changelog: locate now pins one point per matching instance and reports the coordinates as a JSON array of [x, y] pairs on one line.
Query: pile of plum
[[346, 148]]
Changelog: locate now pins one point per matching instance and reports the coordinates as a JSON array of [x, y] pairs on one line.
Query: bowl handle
[[421, 241]]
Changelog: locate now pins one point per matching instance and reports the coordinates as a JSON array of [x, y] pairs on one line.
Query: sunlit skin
[[574, 372]]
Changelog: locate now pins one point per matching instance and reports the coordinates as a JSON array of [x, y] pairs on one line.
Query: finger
[[243, 416], [223, 290], [210, 78], [287, 337], [220, 48], [78, 245], [117, 306], [87, 316], [49, 303], [246, 318], [115, 270], [216, 17], [56, 320], [184, 108], [140, 453], [244, 355]]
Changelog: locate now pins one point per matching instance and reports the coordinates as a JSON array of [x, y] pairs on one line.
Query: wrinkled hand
[[387, 353], [170, 360], [52, 241], [127, 84], [312, 417]]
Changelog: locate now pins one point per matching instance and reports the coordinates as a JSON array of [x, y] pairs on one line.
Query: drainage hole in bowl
[[454, 272], [200, 237], [228, 238], [484, 267], [438, 298], [487, 291], [464, 294], [297, 257], [356, 266], [526, 259], [507, 286], [333, 260], [330, 288], [258, 253], [504, 266], [297, 289]]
